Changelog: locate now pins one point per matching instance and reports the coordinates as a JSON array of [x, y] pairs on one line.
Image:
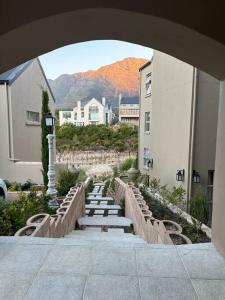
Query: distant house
[[93, 112], [129, 110], [20, 117]]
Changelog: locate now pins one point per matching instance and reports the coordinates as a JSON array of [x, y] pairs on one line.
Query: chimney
[[103, 101], [120, 97], [78, 105]]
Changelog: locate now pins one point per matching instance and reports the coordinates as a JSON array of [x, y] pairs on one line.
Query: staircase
[[103, 222]]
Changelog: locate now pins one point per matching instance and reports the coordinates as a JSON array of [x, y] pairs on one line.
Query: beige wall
[[172, 84], [17, 139], [26, 95], [207, 101], [145, 106], [218, 223]]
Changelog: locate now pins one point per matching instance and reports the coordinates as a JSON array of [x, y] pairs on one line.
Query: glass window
[[147, 122], [33, 116], [146, 157], [82, 114], [67, 115], [148, 84], [93, 113], [75, 116]]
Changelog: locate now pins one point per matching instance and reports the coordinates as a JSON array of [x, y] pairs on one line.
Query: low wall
[[148, 228], [21, 171], [63, 222]]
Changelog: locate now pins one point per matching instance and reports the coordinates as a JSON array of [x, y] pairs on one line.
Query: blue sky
[[89, 56]]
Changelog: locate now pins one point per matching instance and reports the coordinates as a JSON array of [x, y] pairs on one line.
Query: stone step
[[99, 198], [102, 206], [104, 237], [110, 221]]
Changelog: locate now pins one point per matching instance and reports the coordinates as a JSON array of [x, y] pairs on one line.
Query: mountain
[[108, 81]]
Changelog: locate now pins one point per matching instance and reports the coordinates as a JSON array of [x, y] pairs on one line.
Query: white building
[[129, 110], [93, 112]]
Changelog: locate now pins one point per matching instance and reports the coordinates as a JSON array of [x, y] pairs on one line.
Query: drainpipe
[[8, 120], [191, 139]]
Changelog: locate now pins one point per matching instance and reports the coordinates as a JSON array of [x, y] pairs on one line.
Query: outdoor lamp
[[150, 163], [195, 177], [180, 175], [49, 122]]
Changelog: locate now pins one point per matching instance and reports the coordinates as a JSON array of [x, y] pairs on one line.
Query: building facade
[[20, 120], [178, 123], [129, 110], [93, 112]]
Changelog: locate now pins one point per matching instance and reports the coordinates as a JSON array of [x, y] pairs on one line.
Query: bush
[[13, 215], [66, 180], [16, 186], [105, 189], [126, 164], [198, 209]]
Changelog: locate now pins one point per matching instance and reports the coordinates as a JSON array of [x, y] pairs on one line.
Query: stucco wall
[[26, 95], [172, 82], [207, 101], [145, 106], [218, 222]]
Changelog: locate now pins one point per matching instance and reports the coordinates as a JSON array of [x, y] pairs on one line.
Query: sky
[[91, 55]]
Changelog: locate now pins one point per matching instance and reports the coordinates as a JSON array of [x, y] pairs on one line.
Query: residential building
[[92, 112], [20, 120], [129, 110], [178, 124]]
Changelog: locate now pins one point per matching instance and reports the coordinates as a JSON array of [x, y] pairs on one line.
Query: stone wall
[[93, 162]]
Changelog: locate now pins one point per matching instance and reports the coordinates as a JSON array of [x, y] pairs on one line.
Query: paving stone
[[94, 202], [68, 260], [99, 212], [102, 206], [160, 263], [203, 264], [115, 262], [102, 287], [166, 288], [24, 258], [103, 202], [105, 221], [113, 212], [117, 231], [209, 289], [87, 211], [57, 287]]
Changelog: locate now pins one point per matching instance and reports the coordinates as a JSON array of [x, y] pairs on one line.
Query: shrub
[[13, 215], [126, 164], [105, 189], [198, 209], [66, 180], [155, 185]]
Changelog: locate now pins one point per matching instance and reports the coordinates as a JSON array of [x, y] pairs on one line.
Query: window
[[146, 157], [147, 122], [148, 84], [93, 113], [67, 115], [75, 116], [82, 114], [33, 116]]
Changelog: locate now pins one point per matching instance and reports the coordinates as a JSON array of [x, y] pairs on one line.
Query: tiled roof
[[130, 100]]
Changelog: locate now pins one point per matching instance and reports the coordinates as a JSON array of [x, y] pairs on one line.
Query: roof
[[145, 65], [130, 100], [11, 75]]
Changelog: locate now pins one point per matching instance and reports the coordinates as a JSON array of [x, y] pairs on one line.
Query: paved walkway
[[72, 269], [105, 263]]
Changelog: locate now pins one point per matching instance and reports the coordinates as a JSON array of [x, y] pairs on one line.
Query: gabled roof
[[12, 74], [130, 100]]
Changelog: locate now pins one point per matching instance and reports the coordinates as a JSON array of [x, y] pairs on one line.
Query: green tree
[[44, 141]]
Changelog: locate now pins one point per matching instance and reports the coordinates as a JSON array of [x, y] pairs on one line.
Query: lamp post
[[50, 122]]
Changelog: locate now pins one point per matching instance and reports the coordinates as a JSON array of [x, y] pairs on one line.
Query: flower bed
[[161, 212]]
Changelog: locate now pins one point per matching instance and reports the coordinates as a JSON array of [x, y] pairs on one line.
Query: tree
[[44, 141]]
